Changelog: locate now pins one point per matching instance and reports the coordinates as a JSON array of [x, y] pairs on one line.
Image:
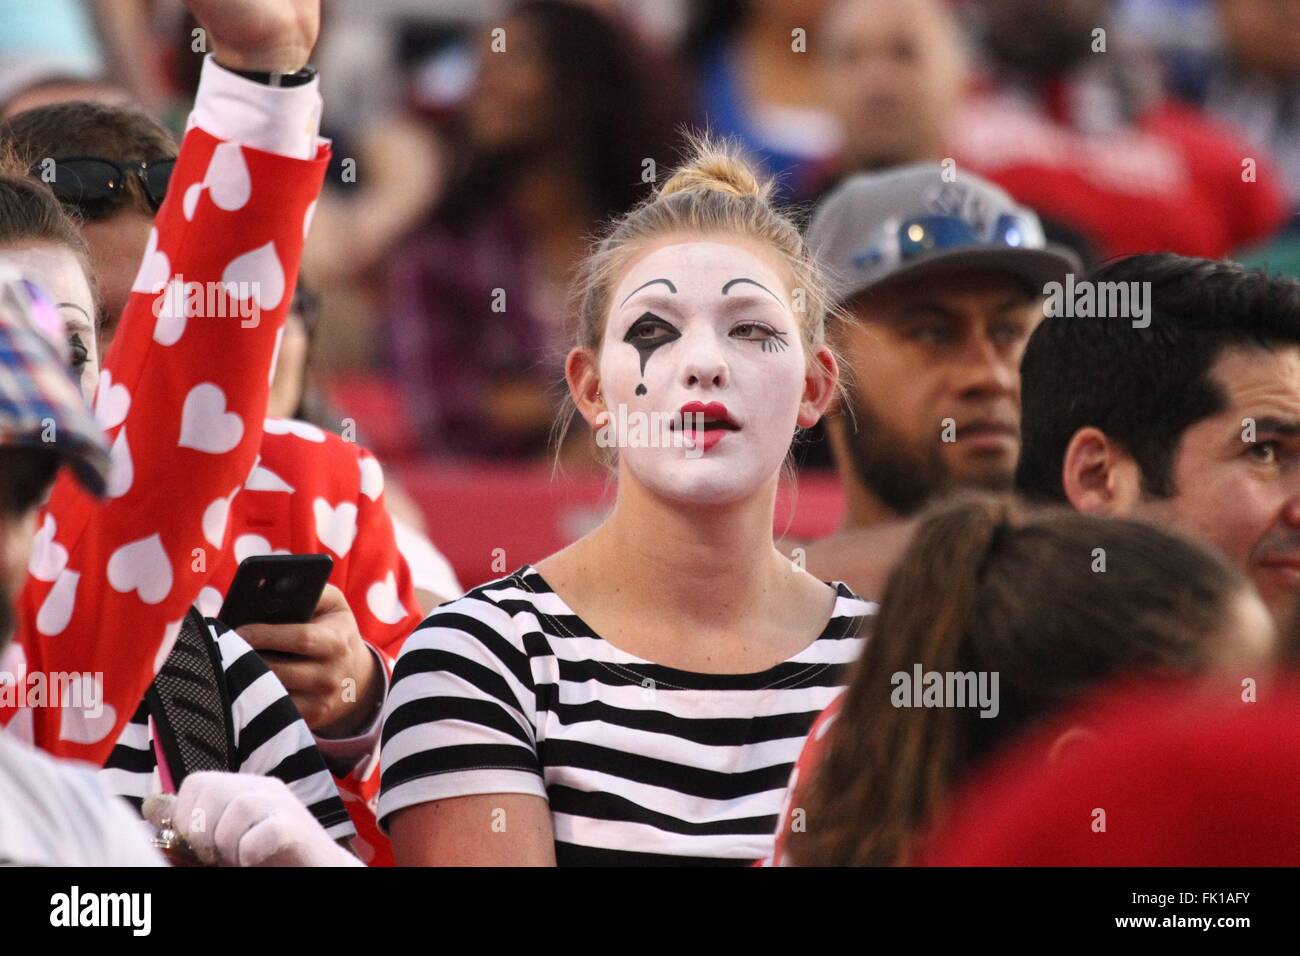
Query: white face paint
[[58, 271], [712, 323]]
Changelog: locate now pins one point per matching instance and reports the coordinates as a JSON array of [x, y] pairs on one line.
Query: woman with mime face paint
[[641, 695]]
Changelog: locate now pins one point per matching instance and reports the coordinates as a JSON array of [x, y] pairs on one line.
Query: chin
[[704, 482]]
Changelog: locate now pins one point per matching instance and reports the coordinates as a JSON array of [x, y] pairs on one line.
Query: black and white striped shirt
[[506, 690], [271, 740]]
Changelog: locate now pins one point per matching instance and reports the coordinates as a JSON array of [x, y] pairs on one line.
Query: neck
[[707, 563]]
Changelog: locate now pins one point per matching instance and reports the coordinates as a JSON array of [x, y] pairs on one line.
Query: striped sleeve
[[271, 738], [461, 716]]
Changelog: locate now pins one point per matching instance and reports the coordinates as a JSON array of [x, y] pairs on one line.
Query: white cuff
[[345, 754], [281, 120]]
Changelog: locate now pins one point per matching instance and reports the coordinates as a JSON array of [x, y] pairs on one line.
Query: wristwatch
[[300, 78]]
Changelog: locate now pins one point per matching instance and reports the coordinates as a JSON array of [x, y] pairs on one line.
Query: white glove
[[236, 819]]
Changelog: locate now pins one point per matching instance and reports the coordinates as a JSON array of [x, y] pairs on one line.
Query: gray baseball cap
[[924, 220]]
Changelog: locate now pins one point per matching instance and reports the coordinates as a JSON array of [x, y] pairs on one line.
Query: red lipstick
[[714, 418]]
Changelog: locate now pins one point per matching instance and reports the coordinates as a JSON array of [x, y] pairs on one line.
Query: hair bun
[[716, 166]]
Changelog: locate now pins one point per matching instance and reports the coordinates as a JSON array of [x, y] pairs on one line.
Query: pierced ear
[[583, 376], [1098, 476], [819, 391]]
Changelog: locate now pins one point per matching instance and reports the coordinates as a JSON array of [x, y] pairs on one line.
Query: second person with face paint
[[641, 696]]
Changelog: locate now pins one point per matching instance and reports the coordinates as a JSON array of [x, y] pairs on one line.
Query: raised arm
[[184, 388]]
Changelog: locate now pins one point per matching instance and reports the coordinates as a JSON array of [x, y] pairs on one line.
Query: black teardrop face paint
[[647, 335]]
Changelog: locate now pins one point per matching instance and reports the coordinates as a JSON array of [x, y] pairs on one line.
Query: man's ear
[[583, 376], [1100, 477], [819, 387]]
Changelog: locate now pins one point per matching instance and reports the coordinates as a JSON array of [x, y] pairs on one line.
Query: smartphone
[[276, 589]]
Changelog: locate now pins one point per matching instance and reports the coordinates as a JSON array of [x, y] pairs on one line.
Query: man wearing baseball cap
[[51, 813], [942, 278]]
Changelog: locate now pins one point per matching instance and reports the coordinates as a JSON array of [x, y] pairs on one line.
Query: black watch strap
[[300, 78]]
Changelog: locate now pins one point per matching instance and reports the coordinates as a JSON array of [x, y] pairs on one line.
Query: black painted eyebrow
[[751, 282], [671, 288], [72, 305]]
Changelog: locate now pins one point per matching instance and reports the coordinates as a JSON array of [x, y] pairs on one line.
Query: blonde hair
[[716, 191]]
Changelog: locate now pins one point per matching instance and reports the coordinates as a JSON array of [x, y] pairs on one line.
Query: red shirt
[[810, 757], [1170, 181], [313, 492]]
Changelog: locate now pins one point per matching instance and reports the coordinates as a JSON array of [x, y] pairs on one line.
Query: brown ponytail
[[985, 588]]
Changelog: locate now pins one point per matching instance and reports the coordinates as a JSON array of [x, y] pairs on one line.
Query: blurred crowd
[[859, 222], [466, 185]]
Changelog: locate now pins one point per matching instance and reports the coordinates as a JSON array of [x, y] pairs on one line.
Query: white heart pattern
[[56, 609], [112, 402], [215, 516], [264, 479], [307, 219], [13, 664], [172, 314], [121, 470], [93, 719], [229, 184], [257, 274], [205, 423], [155, 268], [191, 200], [336, 527], [48, 557], [142, 566], [209, 601], [250, 545], [292, 426], [381, 598], [372, 477]]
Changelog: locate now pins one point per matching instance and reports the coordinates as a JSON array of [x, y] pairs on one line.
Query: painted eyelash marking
[[646, 349], [775, 343]]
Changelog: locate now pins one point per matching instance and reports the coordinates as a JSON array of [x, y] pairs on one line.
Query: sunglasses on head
[[907, 239], [97, 187]]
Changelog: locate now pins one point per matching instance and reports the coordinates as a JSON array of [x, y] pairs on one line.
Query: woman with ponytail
[[1041, 608], [640, 697]]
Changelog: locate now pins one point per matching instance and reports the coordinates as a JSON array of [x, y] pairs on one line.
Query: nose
[[986, 371], [1291, 510], [706, 366]]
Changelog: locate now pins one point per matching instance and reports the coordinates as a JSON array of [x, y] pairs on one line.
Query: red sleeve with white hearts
[[381, 572], [313, 492], [182, 398]]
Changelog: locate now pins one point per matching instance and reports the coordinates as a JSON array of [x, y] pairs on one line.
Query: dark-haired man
[[1192, 420], [942, 277]]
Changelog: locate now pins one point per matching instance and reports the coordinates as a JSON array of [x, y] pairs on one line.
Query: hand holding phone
[[276, 589]]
